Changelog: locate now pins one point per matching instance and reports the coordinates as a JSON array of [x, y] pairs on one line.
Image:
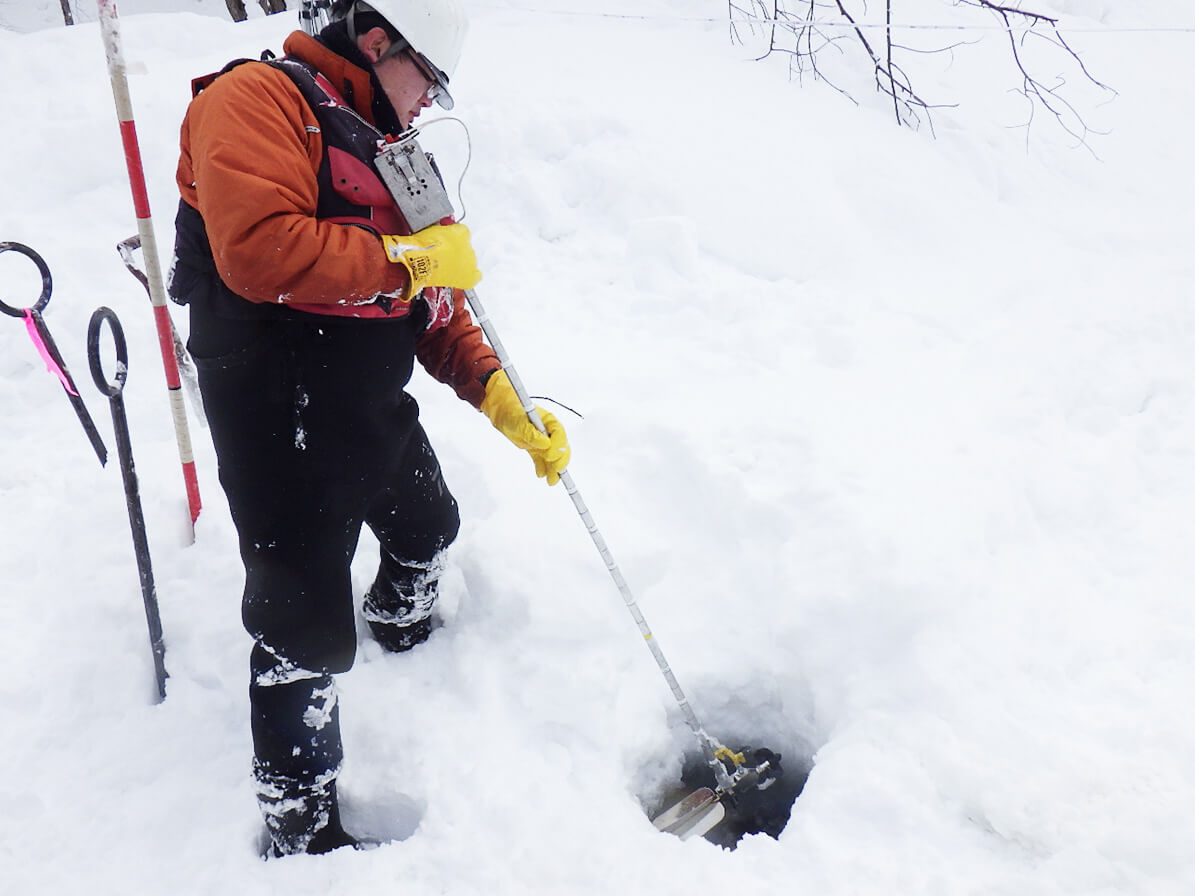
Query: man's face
[[405, 84]]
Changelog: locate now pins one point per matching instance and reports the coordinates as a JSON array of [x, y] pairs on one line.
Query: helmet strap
[[350, 20], [398, 45]]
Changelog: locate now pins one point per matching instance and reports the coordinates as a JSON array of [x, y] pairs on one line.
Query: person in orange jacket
[[310, 301]]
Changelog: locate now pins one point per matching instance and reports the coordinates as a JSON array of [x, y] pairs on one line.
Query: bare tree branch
[[1033, 89], [816, 27], [888, 42], [903, 98]]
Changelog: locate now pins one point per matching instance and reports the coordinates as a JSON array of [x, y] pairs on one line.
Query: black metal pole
[[45, 344], [72, 391], [124, 449]]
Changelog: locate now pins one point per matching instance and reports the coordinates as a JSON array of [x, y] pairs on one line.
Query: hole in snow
[[746, 727], [381, 818], [753, 811]]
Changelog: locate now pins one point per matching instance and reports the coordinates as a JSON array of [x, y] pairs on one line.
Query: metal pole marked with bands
[[415, 185], [39, 334], [124, 448], [703, 809], [110, 29], [710, 747]]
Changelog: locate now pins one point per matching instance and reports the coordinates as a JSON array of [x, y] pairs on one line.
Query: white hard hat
[[434, 29]]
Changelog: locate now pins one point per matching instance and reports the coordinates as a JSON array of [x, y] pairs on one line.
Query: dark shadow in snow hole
[[753, 811], [761, 717]]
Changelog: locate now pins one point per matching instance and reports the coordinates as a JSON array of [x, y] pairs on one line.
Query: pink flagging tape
[[44, 351]]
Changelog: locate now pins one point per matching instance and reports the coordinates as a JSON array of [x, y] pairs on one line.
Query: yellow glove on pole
[[440, 255], [548, 446]]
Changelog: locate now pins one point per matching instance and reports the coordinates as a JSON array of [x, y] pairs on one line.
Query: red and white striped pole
[[110, 28]]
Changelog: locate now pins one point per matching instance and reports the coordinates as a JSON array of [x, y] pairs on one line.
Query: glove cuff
[[401, 251], [498, 390]]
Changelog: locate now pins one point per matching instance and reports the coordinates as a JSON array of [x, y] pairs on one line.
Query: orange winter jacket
[[250, 153]]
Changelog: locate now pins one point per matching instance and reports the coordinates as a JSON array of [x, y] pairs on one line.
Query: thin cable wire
[[927, 26], [460, 183], [894, 26]]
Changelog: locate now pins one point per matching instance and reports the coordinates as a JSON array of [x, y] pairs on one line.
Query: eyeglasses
[[434, 88], [437, 89]]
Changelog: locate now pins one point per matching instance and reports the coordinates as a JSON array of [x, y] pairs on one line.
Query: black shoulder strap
[[202, 83]]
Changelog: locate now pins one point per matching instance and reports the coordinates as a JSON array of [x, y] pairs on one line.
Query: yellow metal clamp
[[738, 759]]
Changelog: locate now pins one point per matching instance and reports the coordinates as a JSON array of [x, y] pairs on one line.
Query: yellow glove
[[440, 255], [549, 451]]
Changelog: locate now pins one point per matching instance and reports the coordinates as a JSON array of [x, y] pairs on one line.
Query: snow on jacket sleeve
[[250, 152], [457, 355]]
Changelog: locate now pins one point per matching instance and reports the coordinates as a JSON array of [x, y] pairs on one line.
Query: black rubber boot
[[297, 755], [397, 638], [300, 816], [398, 606]]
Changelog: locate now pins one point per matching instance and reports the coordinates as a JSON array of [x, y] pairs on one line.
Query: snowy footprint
[[381, 817]]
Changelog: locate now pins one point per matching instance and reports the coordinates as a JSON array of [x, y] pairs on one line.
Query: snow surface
[[893, 437]]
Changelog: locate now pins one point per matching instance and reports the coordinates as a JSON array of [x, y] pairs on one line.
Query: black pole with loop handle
[[124, 449], [40, 336]]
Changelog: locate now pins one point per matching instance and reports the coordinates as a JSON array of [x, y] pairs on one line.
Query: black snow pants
[[315, 436]]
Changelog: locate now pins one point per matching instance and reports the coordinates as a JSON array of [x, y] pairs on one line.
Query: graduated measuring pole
[[110, 29], [712, 749]]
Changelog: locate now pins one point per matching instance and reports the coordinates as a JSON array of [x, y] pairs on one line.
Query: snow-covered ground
[[893, 437]]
